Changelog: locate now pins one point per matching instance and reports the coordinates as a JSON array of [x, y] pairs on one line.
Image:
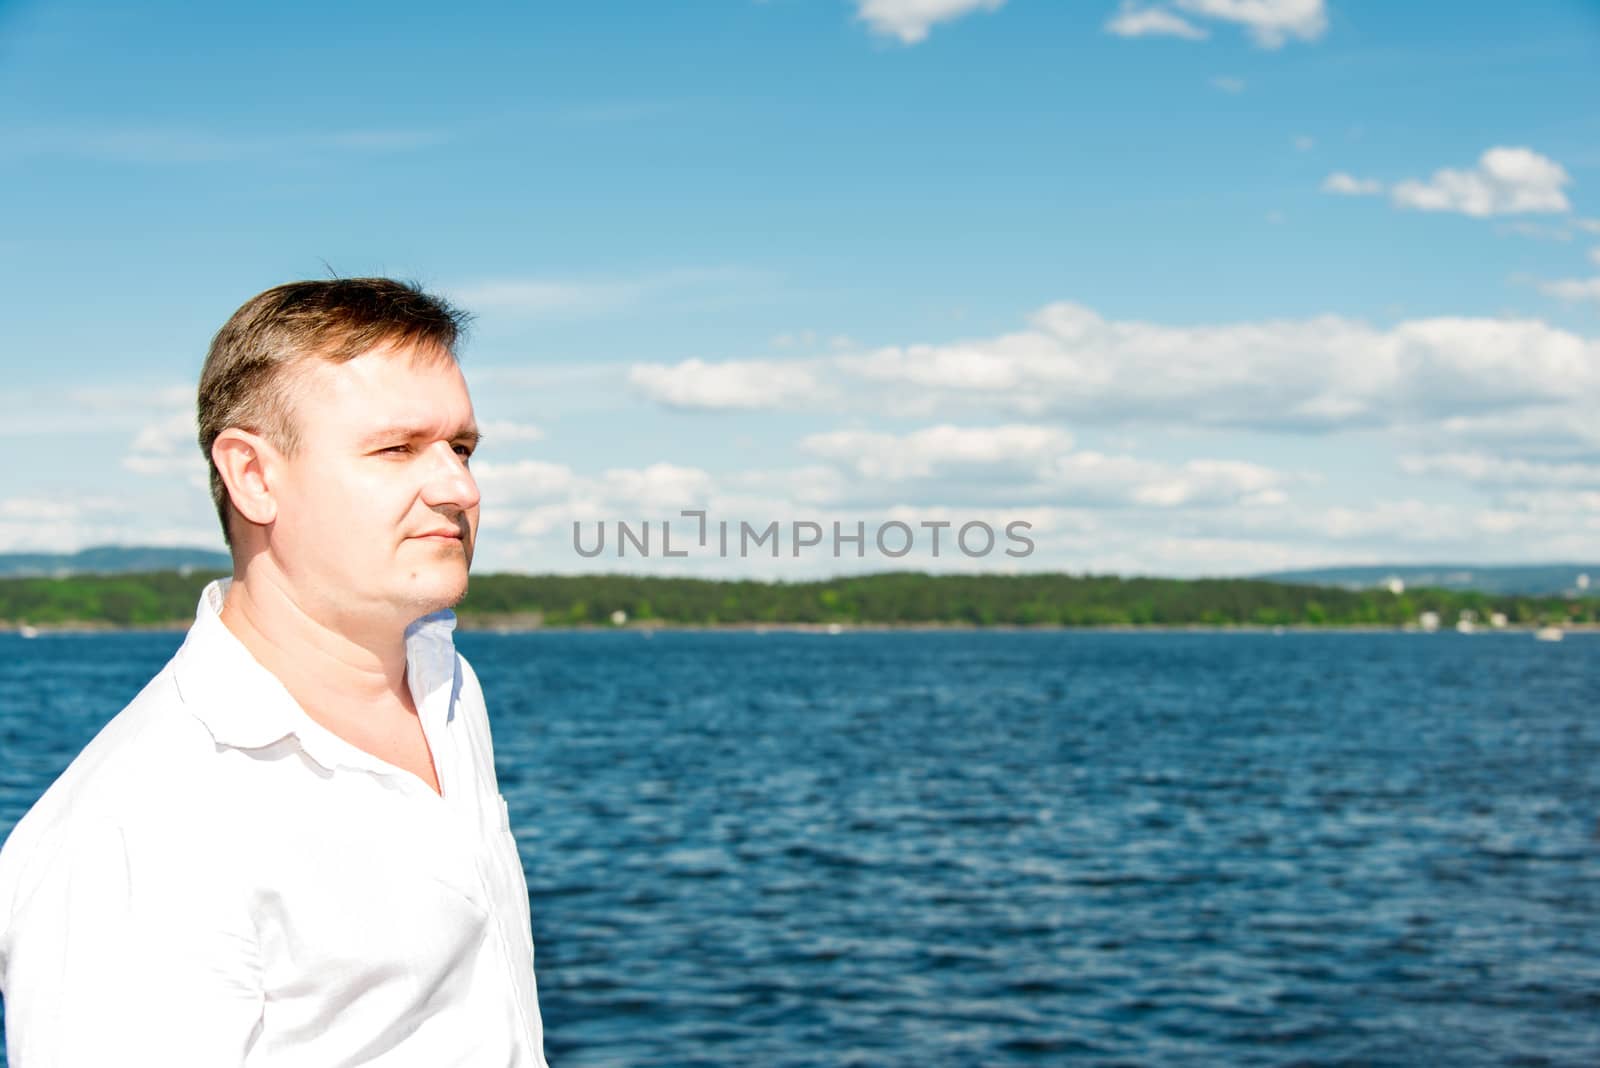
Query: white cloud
[[177, 432], [533, 499], [1574, 289], [1092, 477], [1485, 469], [1228, 84], [1029, 464], [89, 410], [32, 524], [734, 384], [1450, 365], [1350, 186], [998, 473], [1506, 181], [523, 480], [938, 449], [145, 430], [1305, 143], [1315, 375], [498, 430], [39, 509], [1134, 21], [659, 487], [146, 464], [1270, 22], [1090, 509], [1214, 482], [1106, 514], [910, 20], [1145, 446], [1408, 520], [1564, 502], [1536, 429], [168, 446], [1588, 226]]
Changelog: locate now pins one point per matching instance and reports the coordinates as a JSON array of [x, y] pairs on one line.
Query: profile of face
[[376, 509]]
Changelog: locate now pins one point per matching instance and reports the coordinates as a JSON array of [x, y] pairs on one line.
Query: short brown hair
[[245, 380]]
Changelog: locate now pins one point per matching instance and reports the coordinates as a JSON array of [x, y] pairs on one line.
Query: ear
[[247, 463]]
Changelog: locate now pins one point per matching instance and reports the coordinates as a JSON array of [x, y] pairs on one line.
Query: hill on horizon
[[1529, 580], [112, 560], [1532, 580]]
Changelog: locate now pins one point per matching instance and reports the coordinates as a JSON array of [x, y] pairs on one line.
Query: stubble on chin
[[433, 591]]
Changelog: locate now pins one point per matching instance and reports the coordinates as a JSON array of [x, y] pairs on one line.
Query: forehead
[[401, 386]]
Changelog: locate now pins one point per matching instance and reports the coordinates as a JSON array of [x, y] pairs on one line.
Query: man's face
[[377, 513]]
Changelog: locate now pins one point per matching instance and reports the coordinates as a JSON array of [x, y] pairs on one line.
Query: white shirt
[[218, 880]]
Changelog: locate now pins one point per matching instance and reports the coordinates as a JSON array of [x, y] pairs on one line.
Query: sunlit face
[[377, 512]]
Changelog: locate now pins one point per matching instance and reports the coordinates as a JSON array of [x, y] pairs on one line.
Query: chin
[[436, 588]]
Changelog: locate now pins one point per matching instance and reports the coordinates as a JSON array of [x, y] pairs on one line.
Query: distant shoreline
[[164, 601], [469, 624]]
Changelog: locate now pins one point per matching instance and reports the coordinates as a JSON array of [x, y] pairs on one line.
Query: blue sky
[[1193, 287]]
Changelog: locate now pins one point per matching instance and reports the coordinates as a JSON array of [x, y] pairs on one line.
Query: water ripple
[[1019, 848]]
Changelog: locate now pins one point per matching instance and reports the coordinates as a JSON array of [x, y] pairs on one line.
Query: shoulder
[[153, 741], [152, 765]]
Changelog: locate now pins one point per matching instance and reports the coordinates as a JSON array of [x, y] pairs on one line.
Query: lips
[[459, 530]]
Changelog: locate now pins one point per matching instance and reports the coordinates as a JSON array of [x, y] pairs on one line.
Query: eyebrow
[[466, 434]]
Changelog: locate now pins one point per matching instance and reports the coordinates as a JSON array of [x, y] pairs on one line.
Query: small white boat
[[27, 631], [1549, 634]]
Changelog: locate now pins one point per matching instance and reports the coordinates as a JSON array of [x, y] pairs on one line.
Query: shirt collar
[[244, 705]]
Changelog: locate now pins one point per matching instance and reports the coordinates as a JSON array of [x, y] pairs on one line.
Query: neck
[[324, 661]]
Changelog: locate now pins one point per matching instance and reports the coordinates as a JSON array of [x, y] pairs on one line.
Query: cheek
[[346, 498], [341, 505]]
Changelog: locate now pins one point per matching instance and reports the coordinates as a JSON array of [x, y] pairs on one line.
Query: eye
[[395, 450], [464, 451]]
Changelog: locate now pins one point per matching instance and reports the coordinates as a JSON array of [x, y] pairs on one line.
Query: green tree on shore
[[893, 598]]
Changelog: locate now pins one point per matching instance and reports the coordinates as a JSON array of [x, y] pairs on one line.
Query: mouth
[[452, 530], [441, 537]]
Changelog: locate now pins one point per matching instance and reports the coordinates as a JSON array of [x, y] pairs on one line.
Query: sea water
[[1017, 848]]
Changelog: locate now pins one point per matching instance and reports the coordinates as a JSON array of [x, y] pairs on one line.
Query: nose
[[449, 483]]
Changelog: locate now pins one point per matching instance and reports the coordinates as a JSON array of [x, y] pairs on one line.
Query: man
[[291, 849]]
